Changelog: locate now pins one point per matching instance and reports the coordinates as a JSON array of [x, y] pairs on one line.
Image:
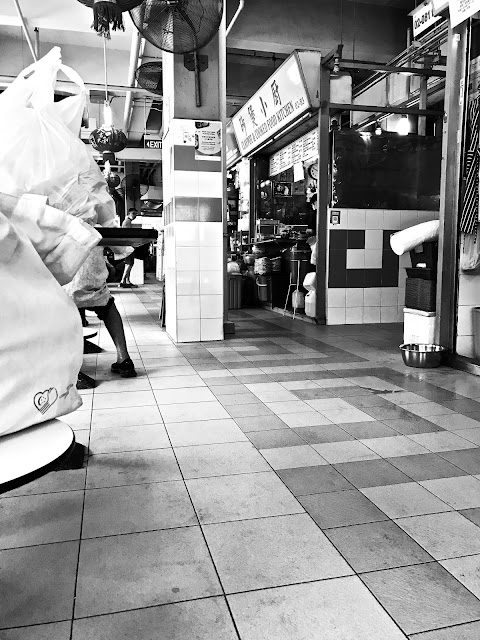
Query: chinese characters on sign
[[460, 10], [281, 100]]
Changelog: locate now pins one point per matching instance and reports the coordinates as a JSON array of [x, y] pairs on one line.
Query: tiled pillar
[[193, 188]]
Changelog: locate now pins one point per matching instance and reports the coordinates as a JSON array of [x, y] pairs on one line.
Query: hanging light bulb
[[403, 126], [336, 65], [378, 129]]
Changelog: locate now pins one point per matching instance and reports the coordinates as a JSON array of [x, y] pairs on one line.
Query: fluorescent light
[[403, 126]]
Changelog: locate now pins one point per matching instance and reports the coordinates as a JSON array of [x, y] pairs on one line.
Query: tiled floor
[[292, 483]]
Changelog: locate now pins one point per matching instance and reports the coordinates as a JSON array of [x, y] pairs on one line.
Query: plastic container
[[298, 299], [422, 356], [298, 259], [422, 273], [425, 254], [264, 288], [418, 326], [310, 304]]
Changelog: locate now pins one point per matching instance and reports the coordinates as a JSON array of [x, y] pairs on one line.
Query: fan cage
[[149, 77], [178, 26], [124, 5]]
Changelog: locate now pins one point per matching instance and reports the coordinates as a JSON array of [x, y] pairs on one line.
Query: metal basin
[[422, 356]]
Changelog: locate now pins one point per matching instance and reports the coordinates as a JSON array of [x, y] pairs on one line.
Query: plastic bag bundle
[[410, 238], [470, 254]]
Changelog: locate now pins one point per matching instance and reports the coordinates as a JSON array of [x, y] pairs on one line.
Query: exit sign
[[153, 144]]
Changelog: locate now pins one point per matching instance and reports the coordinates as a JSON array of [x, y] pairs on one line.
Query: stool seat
[[32, 452]]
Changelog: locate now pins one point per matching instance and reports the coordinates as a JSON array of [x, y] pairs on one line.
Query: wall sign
[[280, 101], [232, 150], [460, 10], [153, 144], [423, 17], [303, 149]]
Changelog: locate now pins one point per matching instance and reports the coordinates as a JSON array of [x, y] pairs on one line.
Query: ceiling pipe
[[69, 87], [239, 10], [134, 55], [25, 30]]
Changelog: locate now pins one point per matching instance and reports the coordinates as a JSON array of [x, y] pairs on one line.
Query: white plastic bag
[[470, 254], [41, 338]]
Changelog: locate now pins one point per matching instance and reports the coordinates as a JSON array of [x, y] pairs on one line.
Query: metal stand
[[296, 285]]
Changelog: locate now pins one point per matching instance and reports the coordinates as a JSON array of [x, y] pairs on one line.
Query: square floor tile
[[365, 430], [143, 569], [461, 493], [372, 400], [312, 394], [292, 457], [377, 545], [466, 571], [426, 409], [203, 461], [292, 406], [328, 609], [140, 507], [249, 410], [310, 480], [444, 535], [341, 508], [236, 399], [390, 412], [275, 438], [53, 631], [472, 514], [38, 584], [177, 381], [230, 389], [468, 460], [412, 425], [260, 423], [455, 421], [340, 416], [255, 554], [184, 395], [404, 398], [184, 434], [472, 435], [423, 597], [241, 497], [304, 419], [296, 385], [191, 412], [208, 619], [325, 433], [394, 446], [134, 467], [126, 417], [124, 398], [402, 500], [156, 374], [329, 404], [427, 466], [33, 520], [371, 473], [337, 452], [442, 441], [138, 438], [53, 482], [469, 631]]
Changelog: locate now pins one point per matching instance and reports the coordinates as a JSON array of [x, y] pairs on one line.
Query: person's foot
[[134, 286], [126, 369], [125, 285]]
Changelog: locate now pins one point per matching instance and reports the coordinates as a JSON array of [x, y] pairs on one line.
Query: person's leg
[[126, 273], [114, 324]]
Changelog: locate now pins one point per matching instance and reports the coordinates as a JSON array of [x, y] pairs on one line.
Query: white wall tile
[[211, 234], [465, 346], [469, 290], [211, 282], [388, 314], [211, 329], [374, 238], [211, 258], [211, 306], [210, 184], [188, 283], [408, 219], [373, 258], [355, 258], [188, 307], [389, 296], [188, 330], [354, 297], [404, 260], [187, 258], [336, 316], [401, 297], [186, 183], [356, 219], [374, 219], [391, 219], [336, 298], [426, 216], [187, 234], [371, 315], [371, 297], [354, 315], [464, 320]]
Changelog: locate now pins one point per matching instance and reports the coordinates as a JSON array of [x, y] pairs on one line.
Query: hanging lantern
[[108, 14], [107, 138]]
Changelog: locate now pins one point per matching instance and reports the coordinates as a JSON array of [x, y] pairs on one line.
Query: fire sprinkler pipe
[[25, 30], [239, 10], [134, 55]]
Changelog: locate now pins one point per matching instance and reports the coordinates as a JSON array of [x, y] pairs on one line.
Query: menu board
[[303, 149]]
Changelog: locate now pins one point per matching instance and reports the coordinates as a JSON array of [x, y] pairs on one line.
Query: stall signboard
[[302, 150], [423, 17], [232, 151], [461, 10], [279, 102]]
